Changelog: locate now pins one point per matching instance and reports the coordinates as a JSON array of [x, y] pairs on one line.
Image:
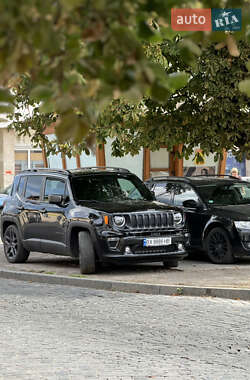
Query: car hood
[[236, 212], [127, 206]]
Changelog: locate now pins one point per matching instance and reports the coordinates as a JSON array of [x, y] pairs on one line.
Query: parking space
[[198, 272]]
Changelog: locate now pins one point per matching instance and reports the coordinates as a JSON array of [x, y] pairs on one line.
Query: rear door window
[[33, 187]]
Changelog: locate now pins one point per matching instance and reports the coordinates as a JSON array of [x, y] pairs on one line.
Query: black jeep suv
[[96, 214]]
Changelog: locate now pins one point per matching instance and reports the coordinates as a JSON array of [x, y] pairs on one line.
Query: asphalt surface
[[197, 272], [67, 333]]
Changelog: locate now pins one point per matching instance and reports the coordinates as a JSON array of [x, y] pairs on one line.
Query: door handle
[[20, 208], [43, 211]]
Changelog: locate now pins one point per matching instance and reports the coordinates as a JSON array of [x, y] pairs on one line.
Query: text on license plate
[[153, 242]]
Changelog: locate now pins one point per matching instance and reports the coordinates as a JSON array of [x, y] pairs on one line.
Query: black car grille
[[150, 220], [150, 250]]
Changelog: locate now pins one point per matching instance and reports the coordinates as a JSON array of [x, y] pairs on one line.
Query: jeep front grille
[[151, 220]]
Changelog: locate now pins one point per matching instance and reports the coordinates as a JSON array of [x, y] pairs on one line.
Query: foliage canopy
[[209, 111], [79, 55]]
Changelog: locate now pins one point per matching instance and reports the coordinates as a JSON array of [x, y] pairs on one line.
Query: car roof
[[196, 180], [76, 172]]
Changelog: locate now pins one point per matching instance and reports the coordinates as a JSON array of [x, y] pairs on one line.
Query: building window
[[159, 162], [36, 159], [28, 159], [21, 160], [208, 167]]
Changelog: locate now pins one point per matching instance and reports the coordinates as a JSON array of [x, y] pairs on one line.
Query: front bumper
[[241, 245], [131, 249]]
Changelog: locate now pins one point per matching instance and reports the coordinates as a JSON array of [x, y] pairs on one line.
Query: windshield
[[109, 188], [226, 194]]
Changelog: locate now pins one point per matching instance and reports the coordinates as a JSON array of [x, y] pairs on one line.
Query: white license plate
[[153, 242]]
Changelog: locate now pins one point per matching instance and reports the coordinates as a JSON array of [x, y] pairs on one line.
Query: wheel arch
[[73, 241], [8, 222], [210, 227]]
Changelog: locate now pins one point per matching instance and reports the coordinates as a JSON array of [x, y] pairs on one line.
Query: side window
[[183, 192], [21, 186], [33, 187], [54, 186]]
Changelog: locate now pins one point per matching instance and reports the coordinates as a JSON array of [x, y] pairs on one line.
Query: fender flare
[[213, 223], [85, 227], [11, 220]]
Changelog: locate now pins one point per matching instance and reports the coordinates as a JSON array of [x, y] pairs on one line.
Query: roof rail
[[102, 167], [158, 177], [215, 175], [35, 170]]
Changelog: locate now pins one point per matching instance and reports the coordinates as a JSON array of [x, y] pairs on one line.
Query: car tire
[[218, 247], [13, 247], [86, 253], [170, 263]]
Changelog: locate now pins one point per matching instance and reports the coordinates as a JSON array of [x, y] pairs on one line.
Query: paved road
[[67, 333]]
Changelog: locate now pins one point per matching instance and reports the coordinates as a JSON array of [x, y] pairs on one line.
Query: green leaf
[[5, 96], [192, 47], [244, 86], [177, 80], [146, 33], [6, 108], [41, 93], [71, 4], [159, 92]]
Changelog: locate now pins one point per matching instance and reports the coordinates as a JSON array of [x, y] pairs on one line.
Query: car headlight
[[119, 221], [242, 225], [178, 218]]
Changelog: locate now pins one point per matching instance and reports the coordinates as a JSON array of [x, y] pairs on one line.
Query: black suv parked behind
[[217, 212], [96, 214]]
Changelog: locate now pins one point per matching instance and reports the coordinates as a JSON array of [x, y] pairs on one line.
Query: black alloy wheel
[[218, 247], [13, 248]]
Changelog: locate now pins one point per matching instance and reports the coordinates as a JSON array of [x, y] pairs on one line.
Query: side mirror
[[190, 203], [153, 193], [55, 199]]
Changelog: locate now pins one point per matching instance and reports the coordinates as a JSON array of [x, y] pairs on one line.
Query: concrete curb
[[129, 287]]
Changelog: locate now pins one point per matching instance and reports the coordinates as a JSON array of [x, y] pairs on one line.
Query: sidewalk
[[198, 273]]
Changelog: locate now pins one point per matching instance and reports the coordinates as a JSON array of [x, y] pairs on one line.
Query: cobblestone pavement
[[190, 272], [65, 333]]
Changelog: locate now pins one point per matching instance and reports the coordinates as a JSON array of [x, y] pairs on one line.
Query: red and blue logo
[[196, 19]]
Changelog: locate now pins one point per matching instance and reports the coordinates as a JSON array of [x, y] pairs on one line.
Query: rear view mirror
[[190, 203], [55, 199]]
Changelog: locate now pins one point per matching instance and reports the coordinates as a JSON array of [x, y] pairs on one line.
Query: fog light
[[128, 251], [180, 246], [113, 242]]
